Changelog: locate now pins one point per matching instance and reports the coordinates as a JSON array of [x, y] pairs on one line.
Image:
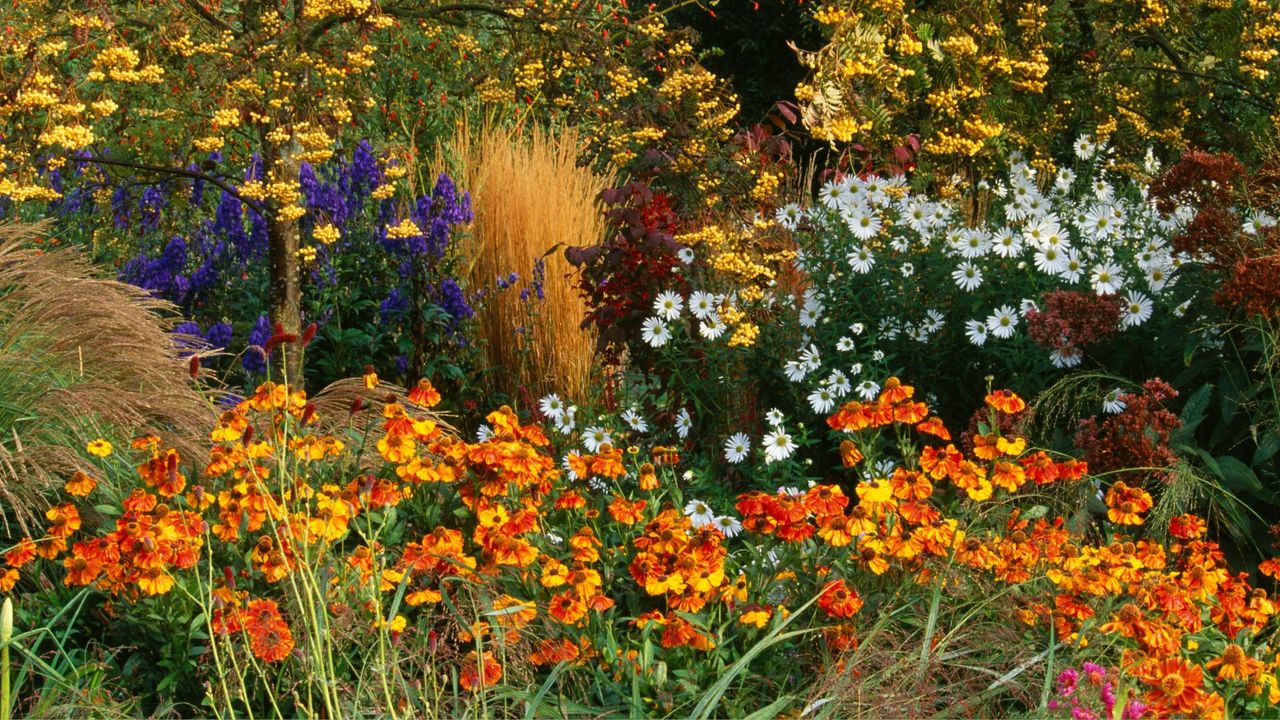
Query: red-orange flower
[[1006, 402], [839, 600], [269, 635], [479, 672]]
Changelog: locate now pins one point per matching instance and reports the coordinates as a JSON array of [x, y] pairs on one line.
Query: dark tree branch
[[179, 172], [209, 17], [1246, 92]]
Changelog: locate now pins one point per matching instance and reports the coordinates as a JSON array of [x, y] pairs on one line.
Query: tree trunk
[[286, 285]]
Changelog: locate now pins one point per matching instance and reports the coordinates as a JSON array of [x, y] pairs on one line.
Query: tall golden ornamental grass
[[531, 199]]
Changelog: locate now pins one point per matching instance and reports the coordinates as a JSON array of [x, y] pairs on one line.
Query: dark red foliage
[[1069, 320], [620, 278], [1213, 184], [1253, 287], [1137, 437]]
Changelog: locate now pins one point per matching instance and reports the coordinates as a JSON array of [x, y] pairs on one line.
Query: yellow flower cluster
[[318, 9], [326, 234], [405, 228]]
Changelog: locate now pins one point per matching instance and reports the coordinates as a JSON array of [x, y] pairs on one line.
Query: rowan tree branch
[[179, 172]]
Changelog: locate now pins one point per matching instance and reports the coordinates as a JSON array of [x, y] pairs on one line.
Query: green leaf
[[771, 710], [1238, 476], [1267, 449], [108, 510], [1194, 411]]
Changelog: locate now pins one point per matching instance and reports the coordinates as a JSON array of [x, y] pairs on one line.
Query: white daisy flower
[[484, 433], [863, 222], [635, 421], [845, 344], [684, 423], [1112, 404], [809, 317], [728, 525], [737, 447], [855, 369], [976, 331], [668, 305], [1003, 321], [822, 400], [839, 383], [1050, 261], [973, 243], [878, 355], [778, 445], [1026, 306], [789, 215], [1072, 267], [712, 327], [795, 370], [552, 406], [1137, 309], [566, 423], [867, 390], [1106, 279], [702, 304], [594, 437], [1085, 147], [1006, 243], [967, 276], [908, 269], [655, 332], [774, 417], [699, 513], [861, 260], [686, 255], [856, 328], [1067, 359]]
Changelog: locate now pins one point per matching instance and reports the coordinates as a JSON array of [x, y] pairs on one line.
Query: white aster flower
[[594, 437], [1112, 404], [552, 406], [863, 222], [484, 433], [861, 260], [684, 423], [867, 390], [822, 400], [737, 447], [839, 383], [845, 344], [778, 445], [1106, 279], [702, 304], [655, 332], [789, 215], [699, 513], [774, 417], [1137, 309], [686, 255], [728, 525], [967, 276], [635, 421], [1003, 321], [976, 331], [1070, 358], [668, 305]]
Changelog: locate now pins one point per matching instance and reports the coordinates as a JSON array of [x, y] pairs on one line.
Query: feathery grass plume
[[80, 358], [979, 665], [530, 200]]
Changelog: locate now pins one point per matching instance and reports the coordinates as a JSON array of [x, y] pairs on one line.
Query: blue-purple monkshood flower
[[394, 307], [254, 359], [187, 337], [120, 207], [150, 205], [218, 335], [539, 278], [450, 297], [509, 281]]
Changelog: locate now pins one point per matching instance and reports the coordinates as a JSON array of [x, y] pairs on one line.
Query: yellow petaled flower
[[101, 448]]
